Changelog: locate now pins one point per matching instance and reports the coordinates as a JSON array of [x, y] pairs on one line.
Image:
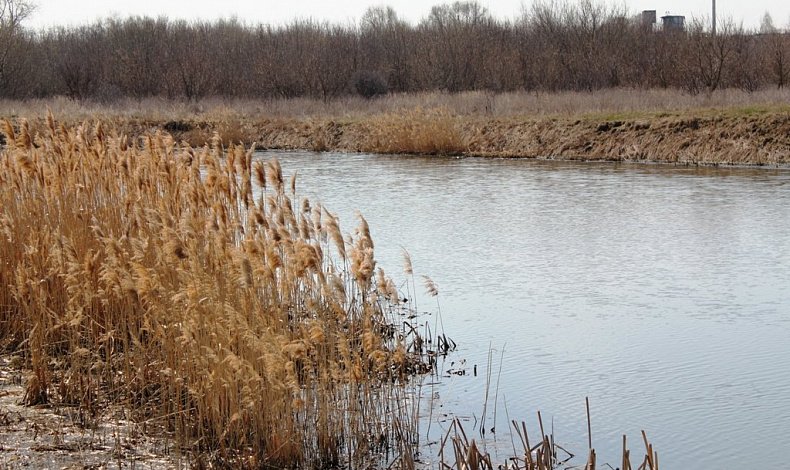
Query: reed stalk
[[191, 288]]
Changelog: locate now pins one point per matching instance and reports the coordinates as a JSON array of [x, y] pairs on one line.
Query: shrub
[[370, 84]]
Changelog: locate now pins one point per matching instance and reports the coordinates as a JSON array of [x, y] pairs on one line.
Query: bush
[[370, 84]]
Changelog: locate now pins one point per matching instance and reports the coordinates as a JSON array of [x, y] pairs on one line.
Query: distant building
[[648, 18], [673, 22]]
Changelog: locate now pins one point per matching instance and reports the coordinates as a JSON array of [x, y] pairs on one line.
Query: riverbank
[[686, 138], [762, 138], [728, 128]]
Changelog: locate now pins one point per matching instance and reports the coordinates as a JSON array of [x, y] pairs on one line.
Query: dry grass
[[546, 454], [474, 103], [416, 131], [726, 127], [195, 288]]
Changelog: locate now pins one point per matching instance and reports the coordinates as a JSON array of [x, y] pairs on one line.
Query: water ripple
[[659, 292]]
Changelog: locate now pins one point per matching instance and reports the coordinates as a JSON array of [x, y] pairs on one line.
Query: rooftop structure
[[673, 22]]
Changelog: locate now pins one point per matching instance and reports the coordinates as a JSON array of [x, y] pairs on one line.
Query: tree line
[[552, 46]]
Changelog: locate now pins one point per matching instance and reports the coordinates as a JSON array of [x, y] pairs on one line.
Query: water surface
[[662, 293]]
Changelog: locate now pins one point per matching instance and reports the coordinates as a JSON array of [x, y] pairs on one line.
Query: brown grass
[[195, 288], [726, 127], [614, 101], [545, 454], [417, 131]]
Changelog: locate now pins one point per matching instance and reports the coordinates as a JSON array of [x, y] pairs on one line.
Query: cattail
[[99, 133], [363, 231], [362, 265], [258, 217], [385, 287], [26, 163], [288, 212], [317, 334], [248, 158], [246, 192], [216, 142], [318, 223], [305, 230], [240, 158]]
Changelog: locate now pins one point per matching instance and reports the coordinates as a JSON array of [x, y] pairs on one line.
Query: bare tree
[[458, 39], [556, 45], [710, 55], [76, 58], [136, 51], [187, 48], [386, 46], [775, 51], [12, 14], [747, 70]]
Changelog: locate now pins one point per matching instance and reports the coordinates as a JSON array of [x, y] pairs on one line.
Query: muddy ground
[[46, 437]]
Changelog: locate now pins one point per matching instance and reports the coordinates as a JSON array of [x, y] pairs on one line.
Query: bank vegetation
[[726, 127]]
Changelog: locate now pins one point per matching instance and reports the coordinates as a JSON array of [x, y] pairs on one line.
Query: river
[[661, 293]]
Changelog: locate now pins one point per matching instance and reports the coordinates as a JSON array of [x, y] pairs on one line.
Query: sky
[[76, 12]]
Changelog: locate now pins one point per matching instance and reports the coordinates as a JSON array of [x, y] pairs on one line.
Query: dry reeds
[[664, 125], [726, 127], [468, 104], [190, 286], [416, 131], [544, 455]]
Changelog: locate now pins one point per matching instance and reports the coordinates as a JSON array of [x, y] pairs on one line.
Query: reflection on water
[[659, 292]]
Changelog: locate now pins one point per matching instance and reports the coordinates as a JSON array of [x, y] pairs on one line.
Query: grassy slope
[[654, 126], [704, 137]]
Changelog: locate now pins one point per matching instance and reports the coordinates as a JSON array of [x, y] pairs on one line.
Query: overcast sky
[[70, 12]]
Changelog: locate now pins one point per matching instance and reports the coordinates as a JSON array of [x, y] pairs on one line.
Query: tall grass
[[726, 127], [416, 131], [196, 289], [471, 103]]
